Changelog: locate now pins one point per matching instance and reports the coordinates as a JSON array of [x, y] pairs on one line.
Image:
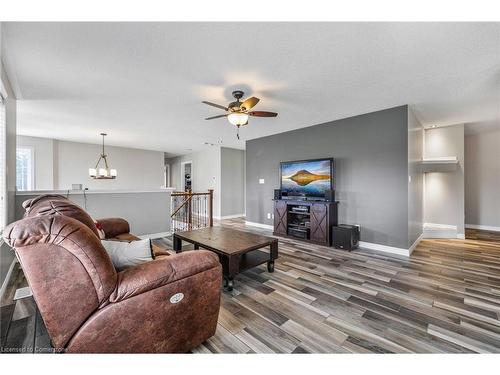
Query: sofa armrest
[[159, 251], [113, 227], [151, 275]]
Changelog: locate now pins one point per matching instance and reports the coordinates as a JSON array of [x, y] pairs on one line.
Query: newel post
[[211, 207]]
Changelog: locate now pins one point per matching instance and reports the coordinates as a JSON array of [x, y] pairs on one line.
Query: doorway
[[187, 175]]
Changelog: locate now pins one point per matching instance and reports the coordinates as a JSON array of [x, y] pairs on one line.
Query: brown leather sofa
[[168, 305]]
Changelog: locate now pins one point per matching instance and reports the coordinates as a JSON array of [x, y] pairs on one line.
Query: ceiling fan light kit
[[103, 172], [238, 118], [238, 112]]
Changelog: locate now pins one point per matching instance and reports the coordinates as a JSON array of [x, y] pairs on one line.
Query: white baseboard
[[432, 230], [7, 277], [259, 225], [153, 236], [229, 217], [367, 245], [385, 249], [415, 244], [483, 227], [392, 249]]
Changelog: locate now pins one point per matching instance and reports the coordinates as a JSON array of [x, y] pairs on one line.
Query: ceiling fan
[[238, 112]]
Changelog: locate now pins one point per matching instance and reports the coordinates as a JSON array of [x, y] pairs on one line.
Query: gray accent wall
[[482, 178], [232, 182], [415, 178], [371, 171]]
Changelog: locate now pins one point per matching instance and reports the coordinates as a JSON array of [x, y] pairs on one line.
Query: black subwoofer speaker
[[330, 195], [345, 236]]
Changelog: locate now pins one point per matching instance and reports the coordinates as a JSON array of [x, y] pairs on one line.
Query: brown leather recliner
[[163, 306]]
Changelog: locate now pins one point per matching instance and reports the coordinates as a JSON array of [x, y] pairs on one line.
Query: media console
[[305, 220]]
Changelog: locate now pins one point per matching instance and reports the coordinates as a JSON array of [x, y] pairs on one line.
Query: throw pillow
[[128, 254]]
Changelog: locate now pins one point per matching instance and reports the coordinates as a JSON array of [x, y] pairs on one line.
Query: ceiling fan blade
[[249, 103], [263, 114], [219, 116], [215, 105]]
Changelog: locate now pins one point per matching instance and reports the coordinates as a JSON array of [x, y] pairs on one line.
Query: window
[[25, 163], [3, 170]]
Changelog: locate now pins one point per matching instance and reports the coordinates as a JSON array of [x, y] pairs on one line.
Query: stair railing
[[191, 211]]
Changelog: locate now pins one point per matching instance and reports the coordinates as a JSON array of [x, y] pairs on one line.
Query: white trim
[[153, 236], [3, 91], [415, 244], [367, 245], [75, 192], [3, 158], [461, 236], [229, 216], [385, 249], [483, 227], [433, 230], [442, 159], [7, 277], [259, 225]]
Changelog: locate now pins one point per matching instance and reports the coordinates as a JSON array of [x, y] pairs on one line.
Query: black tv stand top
[[301, 200]]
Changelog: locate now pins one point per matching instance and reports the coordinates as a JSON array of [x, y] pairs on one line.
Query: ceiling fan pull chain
[[238, 132]]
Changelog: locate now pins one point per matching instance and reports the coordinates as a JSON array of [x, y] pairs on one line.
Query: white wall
[[137, 169], [6, 254], [444, 191], [415, 178], [59, 164], [43, 152], [482, 178], [206, 173]]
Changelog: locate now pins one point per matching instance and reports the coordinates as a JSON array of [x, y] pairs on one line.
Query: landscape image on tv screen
[[306, 178]]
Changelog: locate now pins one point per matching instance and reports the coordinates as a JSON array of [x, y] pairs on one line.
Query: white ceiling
[[143, 83]]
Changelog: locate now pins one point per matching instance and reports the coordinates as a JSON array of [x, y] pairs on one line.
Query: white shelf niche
[[443, 164]]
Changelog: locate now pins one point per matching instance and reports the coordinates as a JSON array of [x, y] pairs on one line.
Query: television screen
[[310, 178]]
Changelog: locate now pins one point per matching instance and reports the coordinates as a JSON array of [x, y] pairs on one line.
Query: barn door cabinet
[[305, 220]]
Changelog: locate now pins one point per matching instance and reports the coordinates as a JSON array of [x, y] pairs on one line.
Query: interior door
[[319, 223]]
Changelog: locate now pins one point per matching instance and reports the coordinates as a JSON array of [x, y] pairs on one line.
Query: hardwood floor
[[444, 299]]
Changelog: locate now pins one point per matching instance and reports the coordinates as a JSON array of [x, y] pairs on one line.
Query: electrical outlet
[[272, 216], [268, 215], [261, 181]]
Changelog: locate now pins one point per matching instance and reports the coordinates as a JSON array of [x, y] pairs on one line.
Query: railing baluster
[[191, 210]]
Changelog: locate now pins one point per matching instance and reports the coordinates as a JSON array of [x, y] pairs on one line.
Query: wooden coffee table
[[237, 250]]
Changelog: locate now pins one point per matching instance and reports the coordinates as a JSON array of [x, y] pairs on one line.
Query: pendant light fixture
[[100, 173]]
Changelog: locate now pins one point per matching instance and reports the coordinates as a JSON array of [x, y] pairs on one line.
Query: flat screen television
[[306, 178]]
